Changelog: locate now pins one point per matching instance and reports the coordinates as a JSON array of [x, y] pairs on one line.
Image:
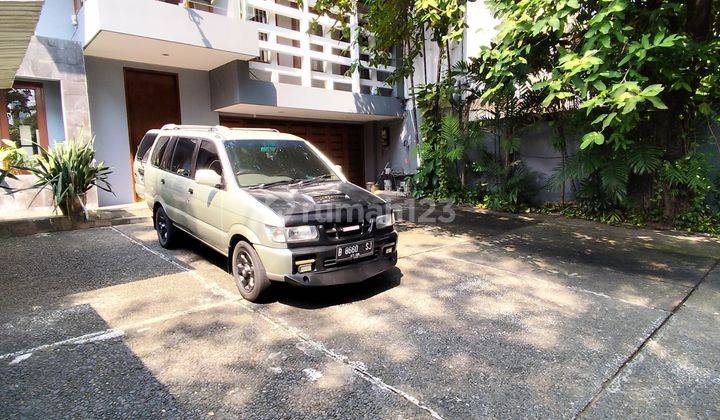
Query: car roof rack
[[191, 127], [272, 130], [215, 128]]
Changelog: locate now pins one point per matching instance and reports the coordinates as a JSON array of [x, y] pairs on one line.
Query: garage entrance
[[342, 143]]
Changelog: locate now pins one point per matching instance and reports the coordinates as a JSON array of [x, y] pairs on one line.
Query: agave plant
[[69, 170]]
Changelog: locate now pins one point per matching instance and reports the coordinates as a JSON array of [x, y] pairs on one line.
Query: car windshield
[[259, 163]]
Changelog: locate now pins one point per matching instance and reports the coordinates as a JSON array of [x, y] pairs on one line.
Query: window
[[167, 155], [207, 158], [22, 116], [181, 163], [144, 147], [159, 151]]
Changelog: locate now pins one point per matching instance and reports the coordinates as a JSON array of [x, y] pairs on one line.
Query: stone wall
[[61, 60]]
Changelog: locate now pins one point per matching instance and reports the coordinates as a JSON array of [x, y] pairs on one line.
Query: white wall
[[106, 90], [55, 19], [482, 28]]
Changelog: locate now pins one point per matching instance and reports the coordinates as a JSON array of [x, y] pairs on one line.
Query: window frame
[[219, 158], [193, 156], [156, 150], [167, 154], [155, 137]]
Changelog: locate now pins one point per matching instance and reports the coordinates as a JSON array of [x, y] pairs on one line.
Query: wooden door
[[153, 100], [342, 143]]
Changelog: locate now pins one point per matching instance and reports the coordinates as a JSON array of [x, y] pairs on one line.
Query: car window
[[182, 158], [255, 162], [158, 151], [167, 155], [207, 158], [144, 147]]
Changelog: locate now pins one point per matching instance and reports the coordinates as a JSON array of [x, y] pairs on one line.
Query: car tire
[[249, 272], [166, 232]]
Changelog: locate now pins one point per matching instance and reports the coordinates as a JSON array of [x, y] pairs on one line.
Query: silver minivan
[[269, 201]]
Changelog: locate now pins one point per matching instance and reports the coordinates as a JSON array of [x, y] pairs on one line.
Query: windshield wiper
[[314, 179], [270, 184]]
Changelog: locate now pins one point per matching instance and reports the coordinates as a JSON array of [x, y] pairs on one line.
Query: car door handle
[[162, 180], [190, 190]]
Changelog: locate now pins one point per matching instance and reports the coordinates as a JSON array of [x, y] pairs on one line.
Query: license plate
[[354, 250]]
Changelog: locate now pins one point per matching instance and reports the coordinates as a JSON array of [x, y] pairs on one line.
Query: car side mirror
[[208, 177], [338, 168]]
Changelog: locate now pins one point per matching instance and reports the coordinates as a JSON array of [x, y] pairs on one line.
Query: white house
[[116, 68]]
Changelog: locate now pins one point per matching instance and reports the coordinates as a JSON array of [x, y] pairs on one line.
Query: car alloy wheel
[[245, 271], [162, 226]]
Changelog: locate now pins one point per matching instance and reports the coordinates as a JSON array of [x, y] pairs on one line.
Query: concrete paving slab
[[570, 272], [643, 254], [677, 374], [712, 281], [447, 220], [475, 342], [225, 362], [190, 254], [422, 239], [67, 284], [516, 335]]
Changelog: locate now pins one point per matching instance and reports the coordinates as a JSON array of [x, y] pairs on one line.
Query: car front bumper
[[281, 263]]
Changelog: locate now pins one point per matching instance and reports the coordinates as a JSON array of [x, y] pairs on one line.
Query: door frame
[[127, 70], [43, 139]]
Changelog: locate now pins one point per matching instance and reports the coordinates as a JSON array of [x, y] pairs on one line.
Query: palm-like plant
[[69, 170]]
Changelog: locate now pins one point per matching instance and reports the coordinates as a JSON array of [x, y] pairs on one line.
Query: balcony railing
[[292, 50]]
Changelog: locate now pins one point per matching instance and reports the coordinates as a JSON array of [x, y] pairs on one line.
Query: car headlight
[[292, 234], [384, 220]]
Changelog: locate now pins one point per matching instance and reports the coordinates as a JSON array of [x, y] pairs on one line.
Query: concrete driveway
[[488, 316]]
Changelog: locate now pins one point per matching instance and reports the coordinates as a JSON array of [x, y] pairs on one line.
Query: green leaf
[[599, 118], [609, 119], [630, 105], [548, 99], [591, 138], [554, 22], [657, 102], [599, 85], [652, 90]]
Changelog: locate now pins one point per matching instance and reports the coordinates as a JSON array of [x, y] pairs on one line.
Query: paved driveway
[[487, 316]]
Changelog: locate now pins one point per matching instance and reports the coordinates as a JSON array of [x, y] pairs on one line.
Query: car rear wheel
[[249, 272], [166, 232]]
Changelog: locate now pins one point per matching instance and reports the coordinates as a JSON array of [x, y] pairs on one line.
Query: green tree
[[643, 73]]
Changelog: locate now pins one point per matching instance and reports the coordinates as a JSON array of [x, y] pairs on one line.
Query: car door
[[205, 201], [151, 169], [140, 161], [177, 182]]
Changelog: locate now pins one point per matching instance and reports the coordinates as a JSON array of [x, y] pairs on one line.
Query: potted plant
[[69, 170], [11, 156]]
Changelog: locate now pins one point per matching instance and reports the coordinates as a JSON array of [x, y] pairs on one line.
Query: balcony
[[303, 70], [292, 51], [191, 34]]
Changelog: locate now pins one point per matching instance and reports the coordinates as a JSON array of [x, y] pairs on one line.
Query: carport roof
[[17, 24]]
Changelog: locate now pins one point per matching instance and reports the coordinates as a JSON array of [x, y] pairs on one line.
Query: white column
[[305, 45], [354, 51]]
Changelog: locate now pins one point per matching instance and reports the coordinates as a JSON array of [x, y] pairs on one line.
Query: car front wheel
[[249, 272]]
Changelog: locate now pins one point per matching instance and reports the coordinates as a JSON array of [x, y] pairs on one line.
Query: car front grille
[[347, 230]]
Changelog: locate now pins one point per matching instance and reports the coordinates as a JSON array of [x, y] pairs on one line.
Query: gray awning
[[17, 24]]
